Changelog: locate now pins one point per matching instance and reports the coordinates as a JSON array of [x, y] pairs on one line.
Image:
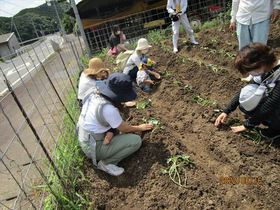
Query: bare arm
[[126, 128]]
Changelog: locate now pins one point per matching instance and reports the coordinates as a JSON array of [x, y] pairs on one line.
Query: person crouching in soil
[[95, 73], [134, 61], [261, 98], [146, 76], [99, 114]]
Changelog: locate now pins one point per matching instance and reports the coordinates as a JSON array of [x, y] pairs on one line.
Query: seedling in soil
[[214, 68], [204, 101], [168, 74], [143, 104], [175, 168], [230, 55], [177, 82], [156, 123], [253, 135], [187, 88], [214, 41]]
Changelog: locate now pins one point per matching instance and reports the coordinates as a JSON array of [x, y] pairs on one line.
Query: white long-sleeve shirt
[[171, 6], [249, 12]]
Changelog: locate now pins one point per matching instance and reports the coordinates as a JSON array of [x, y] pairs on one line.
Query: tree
[[68, 23]]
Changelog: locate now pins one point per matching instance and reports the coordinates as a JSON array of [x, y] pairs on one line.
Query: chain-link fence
[[139, 24], [34, 89]]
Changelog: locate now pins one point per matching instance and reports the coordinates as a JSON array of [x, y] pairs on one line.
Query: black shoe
[[270, 134]]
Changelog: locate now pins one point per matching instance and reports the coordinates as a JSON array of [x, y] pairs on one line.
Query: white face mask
[[118, 32], [145, 51]]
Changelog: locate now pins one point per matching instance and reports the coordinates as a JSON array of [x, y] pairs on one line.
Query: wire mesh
[[139, 24], [29, 140]]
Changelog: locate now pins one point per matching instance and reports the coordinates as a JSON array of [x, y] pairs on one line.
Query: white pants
[[176, 27]]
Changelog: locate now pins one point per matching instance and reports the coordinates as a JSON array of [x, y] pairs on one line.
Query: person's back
[[85, 83]]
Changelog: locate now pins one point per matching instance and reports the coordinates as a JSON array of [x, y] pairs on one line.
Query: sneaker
[[193, 41], [269, 134], [110, 168], [175, 50]]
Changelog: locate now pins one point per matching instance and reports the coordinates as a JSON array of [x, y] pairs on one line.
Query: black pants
[[274, 122], [133, 73]]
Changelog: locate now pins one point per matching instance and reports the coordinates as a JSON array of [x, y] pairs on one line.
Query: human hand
[[221, 119], [108, 137], [238, 129], [275, 15], [145, 127], [232, 26]]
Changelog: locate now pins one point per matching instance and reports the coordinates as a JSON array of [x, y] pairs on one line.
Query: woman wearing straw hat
[[94, 73], [99, 114], [134, 61]]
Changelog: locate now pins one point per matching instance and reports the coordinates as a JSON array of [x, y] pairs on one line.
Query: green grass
[[218, 22], [176, 168], [69, 159], [156, 36], [85, 60]]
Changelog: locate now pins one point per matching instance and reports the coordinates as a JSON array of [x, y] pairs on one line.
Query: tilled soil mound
[[202, 71]]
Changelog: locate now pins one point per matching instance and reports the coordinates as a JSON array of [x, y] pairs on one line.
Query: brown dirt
[[189, 130]]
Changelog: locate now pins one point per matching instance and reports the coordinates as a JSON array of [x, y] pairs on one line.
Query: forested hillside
[[42, 18]]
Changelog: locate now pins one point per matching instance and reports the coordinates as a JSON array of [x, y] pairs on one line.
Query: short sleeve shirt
[[85, 83], [88, 119], [133, 60]]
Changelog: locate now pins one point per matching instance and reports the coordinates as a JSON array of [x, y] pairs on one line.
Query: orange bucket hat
[[95, 66]]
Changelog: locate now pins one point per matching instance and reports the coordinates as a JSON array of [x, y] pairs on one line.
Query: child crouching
[[146, 76]]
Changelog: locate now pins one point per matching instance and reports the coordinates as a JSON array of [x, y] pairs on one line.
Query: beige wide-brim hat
[[142, 44], [95, 66]]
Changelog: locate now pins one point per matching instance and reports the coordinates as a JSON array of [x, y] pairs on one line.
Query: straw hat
[[96, 65], [142, 44]]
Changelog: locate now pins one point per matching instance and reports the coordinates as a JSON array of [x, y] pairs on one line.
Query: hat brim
[[143, 48], [90, 71], [116, 97]]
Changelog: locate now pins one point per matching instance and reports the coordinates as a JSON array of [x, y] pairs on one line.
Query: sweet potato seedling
[[143, 104], [177, 82], [168, 74], [176, 168], [253, 135], [214, 68], [155, 122], [204, 101]]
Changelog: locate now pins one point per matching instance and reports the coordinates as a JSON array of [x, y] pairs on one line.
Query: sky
[[11, 7]]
